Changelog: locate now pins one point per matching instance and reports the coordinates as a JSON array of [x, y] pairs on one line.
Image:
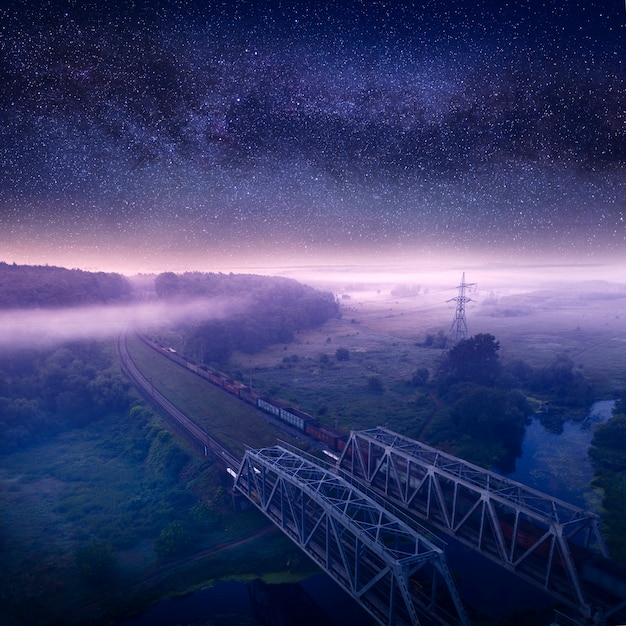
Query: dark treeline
[[608, 453], [26, 286], [47, 391], [485, 405], [272, 310]]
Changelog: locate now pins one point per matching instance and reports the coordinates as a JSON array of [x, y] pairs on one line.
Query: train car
[[249, 395], [232, 386], [342, 442], [216, 379], [295, 417], [191, 366], [323, 433], [269, 406]]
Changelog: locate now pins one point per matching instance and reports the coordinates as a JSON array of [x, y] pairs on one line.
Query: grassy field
[[228, 419], [383, 338]]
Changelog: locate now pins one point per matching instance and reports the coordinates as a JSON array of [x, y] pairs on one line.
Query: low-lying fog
[[494, 291], [44, 327], [502, 278]]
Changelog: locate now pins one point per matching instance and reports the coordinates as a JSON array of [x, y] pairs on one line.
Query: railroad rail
[[195, 432], [545, 541], [394, 570]]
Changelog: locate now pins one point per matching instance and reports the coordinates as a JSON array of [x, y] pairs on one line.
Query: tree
[[473, 360], [492, 415], [109, 391], [342, 354], [167, 285], [174, 539], [561, 380], [608, 446]]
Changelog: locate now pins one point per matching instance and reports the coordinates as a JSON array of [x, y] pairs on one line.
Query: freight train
[[310, 426]]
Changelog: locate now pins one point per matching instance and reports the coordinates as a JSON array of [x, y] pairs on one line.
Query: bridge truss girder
[[520, 528], [395, 573]]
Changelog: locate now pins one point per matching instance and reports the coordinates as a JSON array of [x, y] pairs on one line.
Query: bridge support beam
[[398, 574]]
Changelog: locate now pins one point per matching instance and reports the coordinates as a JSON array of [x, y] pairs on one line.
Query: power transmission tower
[[459, 325]]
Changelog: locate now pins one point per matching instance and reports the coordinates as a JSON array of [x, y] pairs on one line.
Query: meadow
[[385, 338]]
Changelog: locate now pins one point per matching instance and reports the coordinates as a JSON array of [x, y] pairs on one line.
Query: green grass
[[92, 485], [227, 418], [337, 391]]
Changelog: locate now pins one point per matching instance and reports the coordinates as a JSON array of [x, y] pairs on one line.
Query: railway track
[[198, 434]]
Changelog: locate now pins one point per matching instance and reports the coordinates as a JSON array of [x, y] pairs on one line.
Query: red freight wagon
[[233, 386], [216, 379], [249, 395]]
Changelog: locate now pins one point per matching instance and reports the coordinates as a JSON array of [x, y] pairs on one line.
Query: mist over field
[[506, 278], [495, 292]]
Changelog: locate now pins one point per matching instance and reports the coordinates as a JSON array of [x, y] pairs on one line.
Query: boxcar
[[269, 406], [323, 433], [295, 417], [216, 379]]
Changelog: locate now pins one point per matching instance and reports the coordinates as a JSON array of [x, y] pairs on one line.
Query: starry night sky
[[213, 135]]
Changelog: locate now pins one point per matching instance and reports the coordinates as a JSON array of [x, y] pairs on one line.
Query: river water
[[317, 601], [559, 464], [556, 464]]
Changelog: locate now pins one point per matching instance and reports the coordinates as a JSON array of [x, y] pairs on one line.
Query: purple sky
[[177, 136]]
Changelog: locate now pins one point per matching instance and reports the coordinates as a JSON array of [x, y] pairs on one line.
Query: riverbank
[[558, 463]]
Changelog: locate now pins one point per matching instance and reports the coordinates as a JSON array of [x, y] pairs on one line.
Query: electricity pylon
[[459, 325]]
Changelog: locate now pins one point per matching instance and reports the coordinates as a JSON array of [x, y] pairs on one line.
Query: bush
[[342, 354], [95, 562], [174, 539]]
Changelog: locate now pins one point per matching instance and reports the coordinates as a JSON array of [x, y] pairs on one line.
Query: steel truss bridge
[[394, 568], [342, 517], [548, 542]]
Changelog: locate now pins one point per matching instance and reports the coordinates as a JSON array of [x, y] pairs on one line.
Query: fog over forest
[[496, 291], [45, 327]]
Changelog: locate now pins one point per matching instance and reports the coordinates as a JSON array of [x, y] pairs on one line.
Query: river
[[559, 464], [556, 464]]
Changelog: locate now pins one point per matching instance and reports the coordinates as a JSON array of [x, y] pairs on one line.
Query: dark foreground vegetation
[[608, 453], [100, 504]]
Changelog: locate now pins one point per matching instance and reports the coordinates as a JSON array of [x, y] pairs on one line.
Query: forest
[[46, 391], [272, 309], [26, 286]]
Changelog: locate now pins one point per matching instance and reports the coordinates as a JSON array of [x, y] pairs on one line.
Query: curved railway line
[[198, 434]]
